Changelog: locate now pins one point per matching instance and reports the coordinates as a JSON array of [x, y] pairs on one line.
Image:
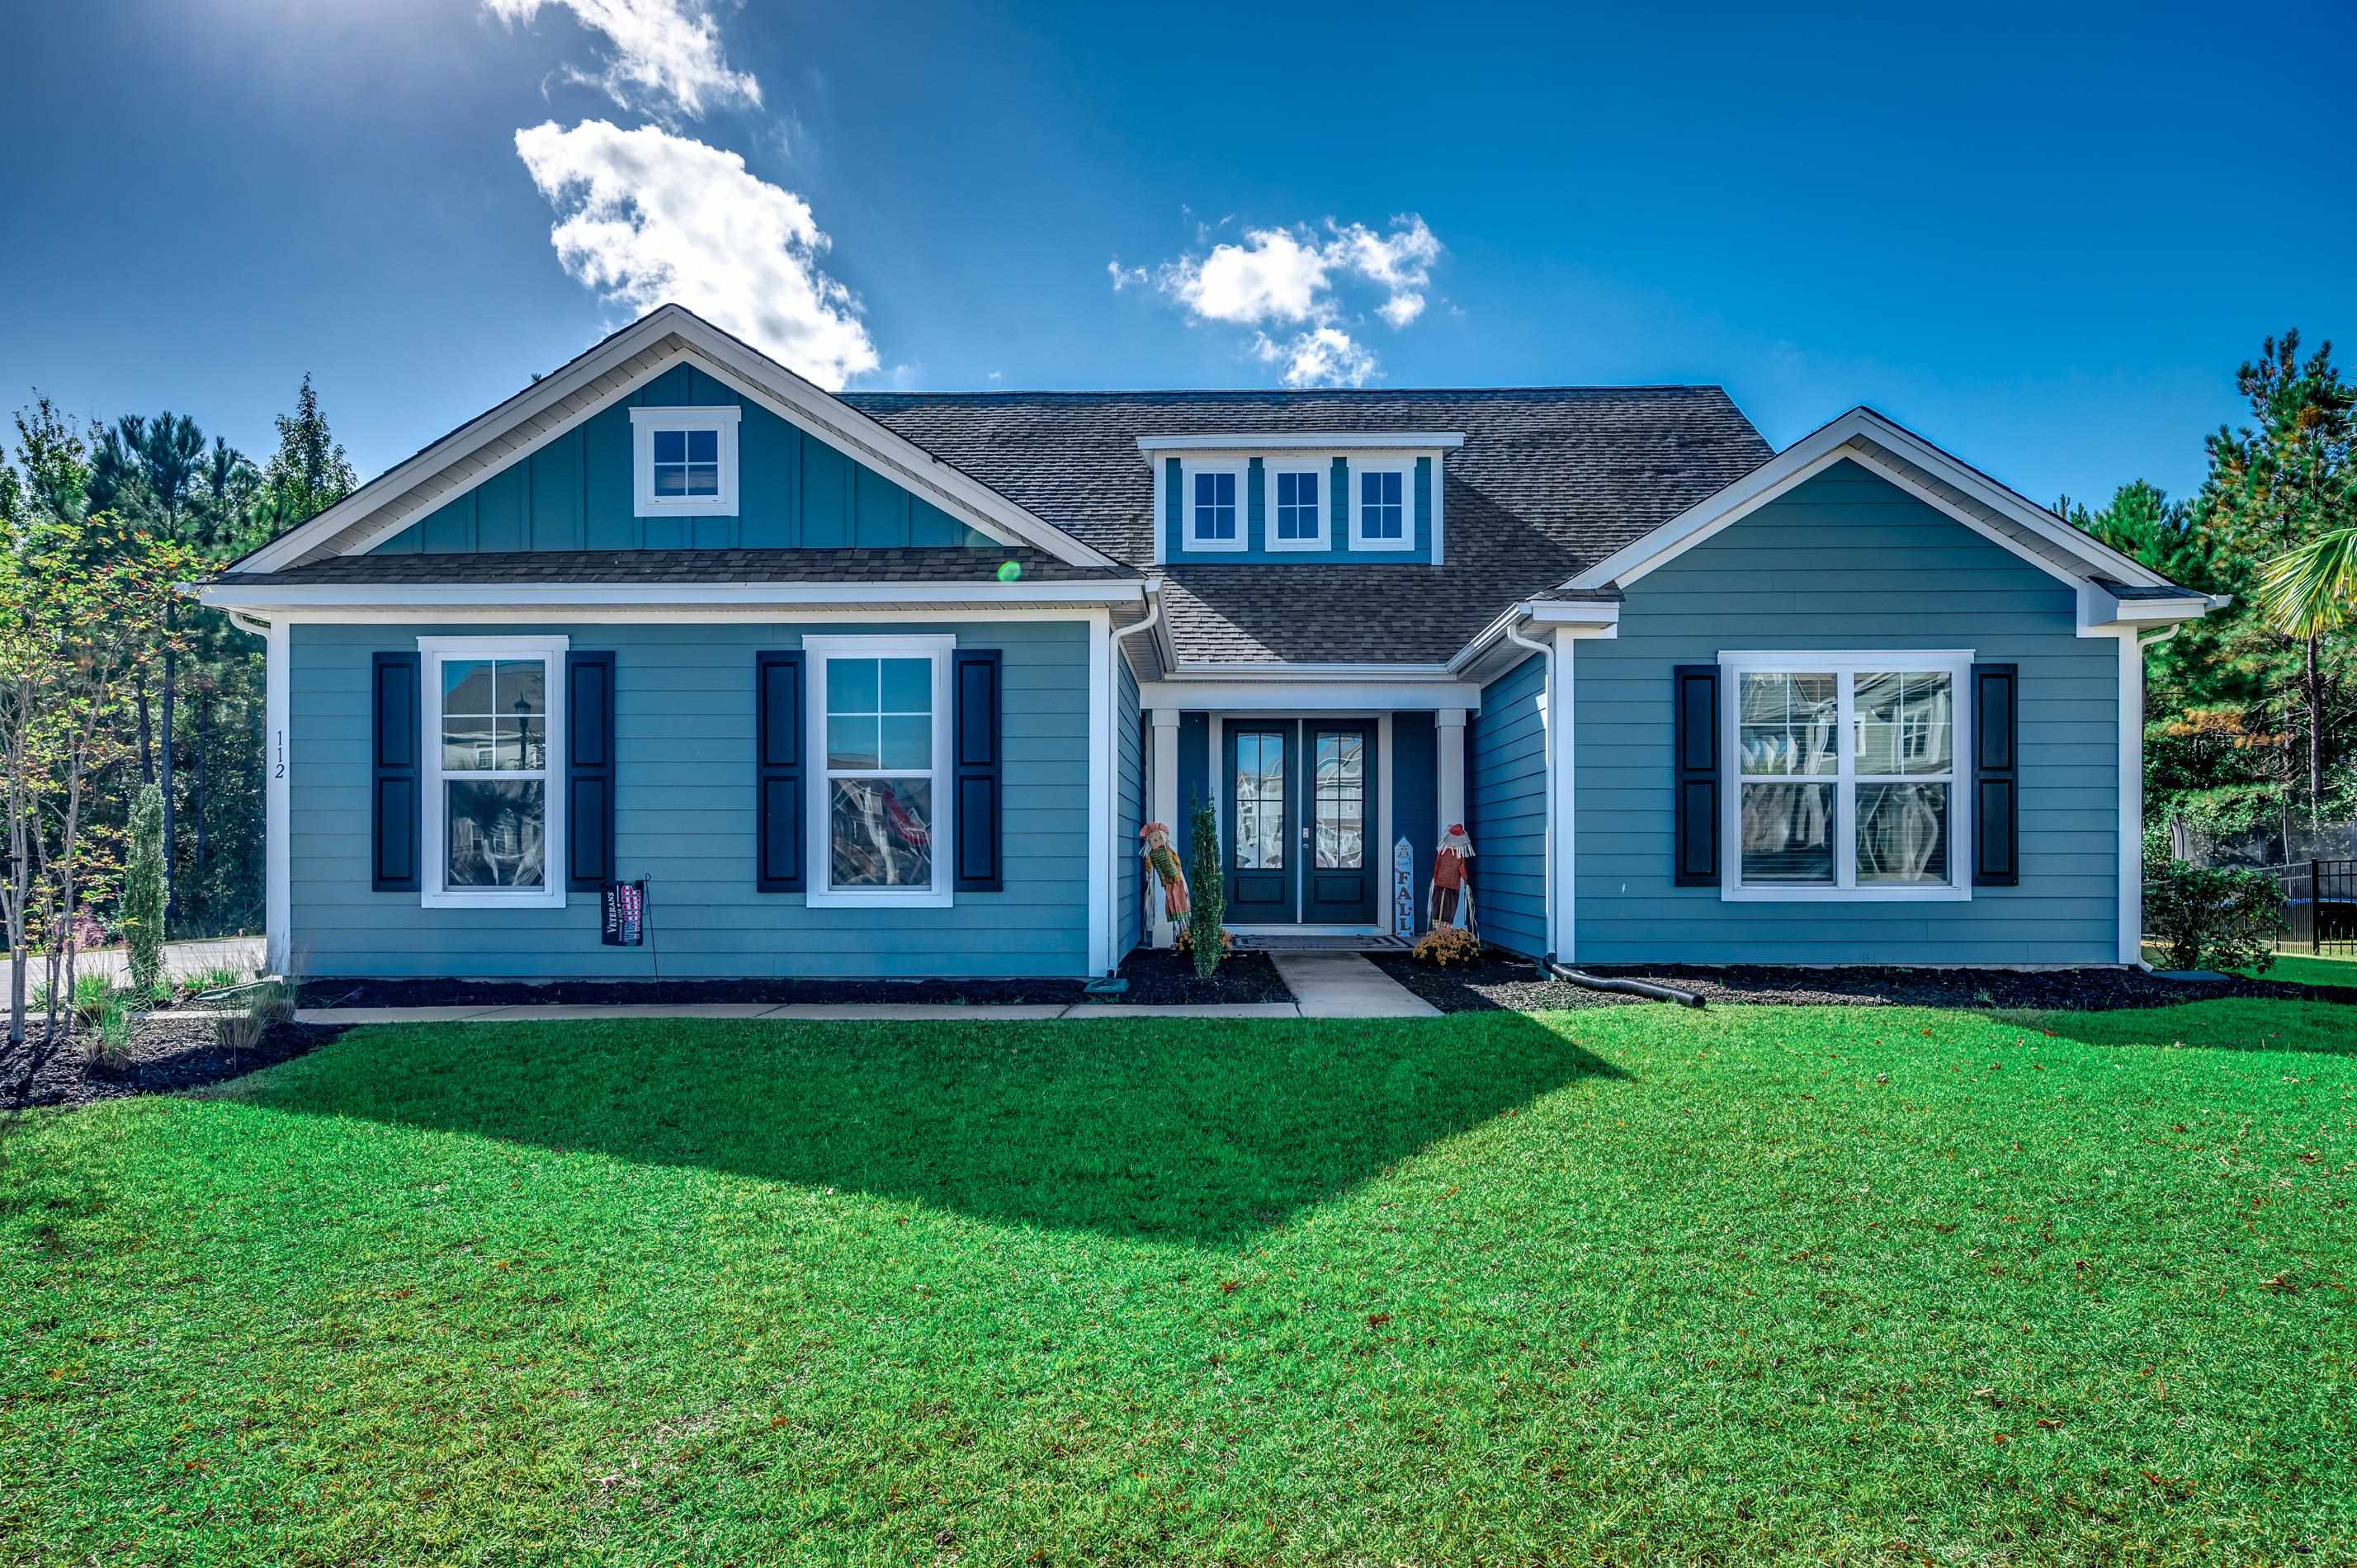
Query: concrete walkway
[[1345, 985], [1328, 985]]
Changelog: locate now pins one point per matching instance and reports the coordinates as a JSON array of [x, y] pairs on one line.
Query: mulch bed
[[164, 1055], [1155, 978], [1158, 977], [1502, 983]]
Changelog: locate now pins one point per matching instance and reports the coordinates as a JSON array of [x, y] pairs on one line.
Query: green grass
[[1636, 1284], [2311, 968]]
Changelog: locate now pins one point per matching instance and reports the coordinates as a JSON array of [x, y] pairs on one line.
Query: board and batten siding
[[794, 491], [684, 820], [1505, 808], [1847, 561]]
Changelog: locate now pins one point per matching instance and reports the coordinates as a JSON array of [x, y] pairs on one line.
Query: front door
[[1342, 858], [1263, 816], [1299, 819]]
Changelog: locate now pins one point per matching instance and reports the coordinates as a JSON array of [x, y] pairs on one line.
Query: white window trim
[[1957, 663], [1318, 469], [1188, 470], [644, 421], [434, 850], [1406, 471], [816, 651]]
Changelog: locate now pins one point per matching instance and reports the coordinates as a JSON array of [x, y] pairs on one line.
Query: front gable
[[793, 491], [541, 469]]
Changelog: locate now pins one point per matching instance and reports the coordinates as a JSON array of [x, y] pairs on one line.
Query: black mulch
[[1503, 982], [1161, 977], [1154, 978], [164, 1055], [334, 992]]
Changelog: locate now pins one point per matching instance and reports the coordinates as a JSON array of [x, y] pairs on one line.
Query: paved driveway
[[179, 958]]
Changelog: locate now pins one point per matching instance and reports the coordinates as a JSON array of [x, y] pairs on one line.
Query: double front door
[[1300, 822]]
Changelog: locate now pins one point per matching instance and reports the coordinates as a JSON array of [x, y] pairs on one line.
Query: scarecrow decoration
[[1163, 860], [1451, 893]]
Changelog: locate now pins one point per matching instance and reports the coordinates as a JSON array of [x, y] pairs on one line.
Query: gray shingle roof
[[1549, 480], [938, 563]]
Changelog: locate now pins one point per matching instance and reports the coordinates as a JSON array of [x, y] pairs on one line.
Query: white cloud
[[1292, 278], [1323, 356], [645, 215], [666, 59]]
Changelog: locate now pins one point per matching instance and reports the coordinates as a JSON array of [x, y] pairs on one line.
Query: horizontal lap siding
[[683, 820], [1505, 793], [1847, 561], [1131, 819]]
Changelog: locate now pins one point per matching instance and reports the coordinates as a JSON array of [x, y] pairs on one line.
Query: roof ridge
[[1295, 392]]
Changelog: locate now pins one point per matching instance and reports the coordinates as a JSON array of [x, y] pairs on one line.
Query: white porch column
[[1165, 812], [277, 863], [1449, 728]]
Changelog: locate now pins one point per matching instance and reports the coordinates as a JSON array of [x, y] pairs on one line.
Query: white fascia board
[[265, 599], [1304, 441], [1308, 696], [1831, 443], [2101, 611], [774, 387], [1601, 614]]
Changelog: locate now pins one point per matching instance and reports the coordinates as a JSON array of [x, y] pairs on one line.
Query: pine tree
[[309, 472]]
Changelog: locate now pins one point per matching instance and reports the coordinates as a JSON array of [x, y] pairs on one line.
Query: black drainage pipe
[[1628, 987]]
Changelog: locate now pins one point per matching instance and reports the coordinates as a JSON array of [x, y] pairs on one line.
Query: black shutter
[[1996, 776], [777, 771], [1694, 774], [975, 783], [393, 798], [589, 771]]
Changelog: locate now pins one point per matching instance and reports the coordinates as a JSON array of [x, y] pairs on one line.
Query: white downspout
[[1113, 774], [1547, 725]]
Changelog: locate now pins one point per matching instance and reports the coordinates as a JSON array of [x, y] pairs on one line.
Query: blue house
[[885, 684]]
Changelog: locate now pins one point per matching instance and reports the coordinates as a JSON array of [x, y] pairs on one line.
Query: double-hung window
[[1215, 506], [1381, 519], [493, 808], [1846, 782], [880, 726], [685, 460], [1297, 517]]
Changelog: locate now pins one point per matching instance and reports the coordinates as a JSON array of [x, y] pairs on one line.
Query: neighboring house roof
[[1549, 479], [938, 563]]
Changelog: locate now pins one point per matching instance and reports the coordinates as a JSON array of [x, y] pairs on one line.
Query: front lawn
[[1861, 1284]]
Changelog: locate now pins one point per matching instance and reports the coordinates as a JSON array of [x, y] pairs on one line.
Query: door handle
[[1304, 833]]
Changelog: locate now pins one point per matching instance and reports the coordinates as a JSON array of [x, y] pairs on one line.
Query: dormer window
[[1380, 519], [1297, 517], [1215, 506], [685, 461]]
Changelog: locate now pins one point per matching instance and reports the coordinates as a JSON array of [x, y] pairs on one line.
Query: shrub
[[1207, 891], [1185, 942], [243, 1030], [143, 892], [2212, 917], [1445, 945]]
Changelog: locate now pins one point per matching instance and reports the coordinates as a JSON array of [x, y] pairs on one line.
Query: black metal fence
[[2319, 905]]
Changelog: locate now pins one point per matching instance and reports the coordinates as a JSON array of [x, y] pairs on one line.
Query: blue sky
[[2041, 237]]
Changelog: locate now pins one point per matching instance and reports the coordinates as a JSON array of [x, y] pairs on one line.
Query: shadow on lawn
[[1150, 1129]]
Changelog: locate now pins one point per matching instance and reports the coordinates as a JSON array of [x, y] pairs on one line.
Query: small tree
[[143, 891], [1207, 892], [2212, 917]]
